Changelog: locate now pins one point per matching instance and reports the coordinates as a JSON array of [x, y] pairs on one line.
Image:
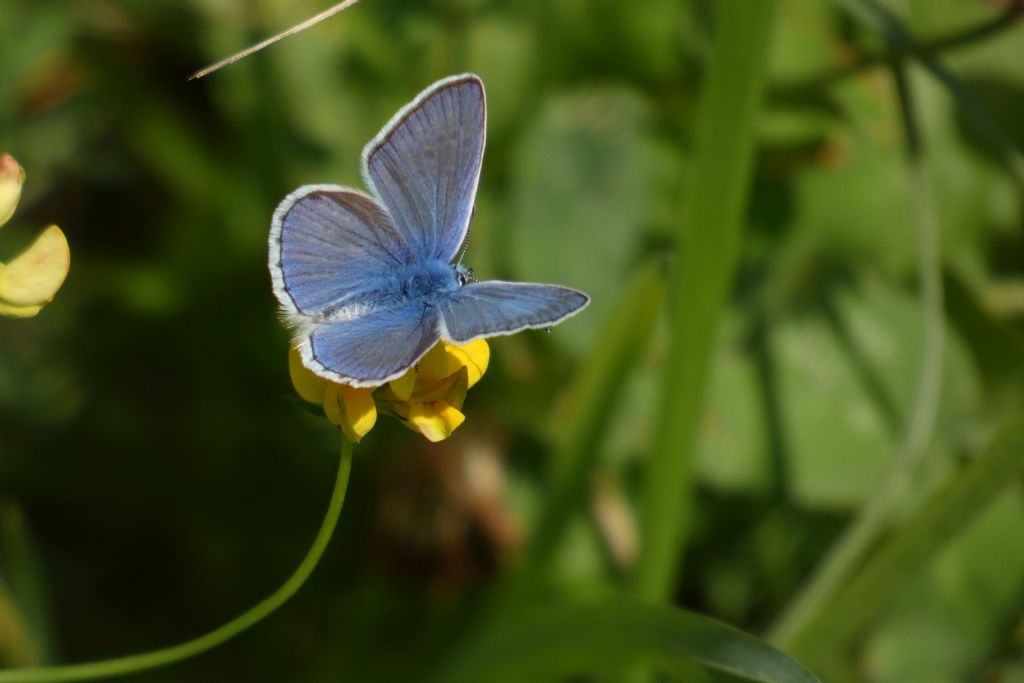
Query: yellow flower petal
[[307, 385], [435, 391], [435, 420], [333, 407], [473, 356], [35, 275], [361, 411], [19, 311], [399, 408], [351, 409], [12, 177], [451, 390], [456, 395], [433, 366], [403, 386]]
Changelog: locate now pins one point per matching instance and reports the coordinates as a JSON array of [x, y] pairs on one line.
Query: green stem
[[176, 653], [911, 545], [875, 517], [707, 255]]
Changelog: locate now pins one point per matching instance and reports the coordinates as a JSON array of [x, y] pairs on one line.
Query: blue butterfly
[[371, 282]]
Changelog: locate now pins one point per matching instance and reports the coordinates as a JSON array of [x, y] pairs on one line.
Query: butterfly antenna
[[301, 26], [469, 229]]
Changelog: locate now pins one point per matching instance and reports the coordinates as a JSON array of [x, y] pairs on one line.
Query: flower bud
[[12, 177]]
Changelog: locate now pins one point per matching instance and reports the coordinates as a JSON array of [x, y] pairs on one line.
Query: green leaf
[[805, 39], [949, 617], [583, 187], [864, 169], [24, 608], [917, 540], [844, 384], [569, 639], [842, 426]]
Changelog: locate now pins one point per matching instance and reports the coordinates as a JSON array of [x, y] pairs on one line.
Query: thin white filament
[[301, 26]]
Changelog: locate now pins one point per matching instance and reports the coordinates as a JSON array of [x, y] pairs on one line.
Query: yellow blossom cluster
[[427, 399]]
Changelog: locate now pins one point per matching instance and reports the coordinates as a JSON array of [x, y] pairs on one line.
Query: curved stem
[[799, 618], [149, 660]]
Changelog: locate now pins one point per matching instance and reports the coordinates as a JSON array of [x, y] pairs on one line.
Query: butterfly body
[[371, 283], [428, 281], [416, 284]]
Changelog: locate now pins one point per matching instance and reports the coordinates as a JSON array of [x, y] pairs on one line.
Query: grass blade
[[916, 541], [603, 637], [707, 249], [24, 623], [624, 338]]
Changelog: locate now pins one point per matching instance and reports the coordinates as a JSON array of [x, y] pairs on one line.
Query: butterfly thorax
[[425, 280]]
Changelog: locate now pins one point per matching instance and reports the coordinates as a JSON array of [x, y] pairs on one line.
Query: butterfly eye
[[465, 274]]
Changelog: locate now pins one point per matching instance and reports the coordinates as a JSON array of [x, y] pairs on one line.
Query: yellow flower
[[350, 408], [29, 281], [427, 399], [12, 177]]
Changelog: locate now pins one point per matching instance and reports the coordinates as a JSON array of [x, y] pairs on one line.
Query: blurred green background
[[158, 476]]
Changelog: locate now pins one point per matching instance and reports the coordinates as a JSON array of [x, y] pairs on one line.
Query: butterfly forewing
[[425, 164], [328, 244], [493, 308]]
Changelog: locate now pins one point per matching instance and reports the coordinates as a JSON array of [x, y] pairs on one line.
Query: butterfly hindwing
[[425, 164], [371, 349], [493, 308]]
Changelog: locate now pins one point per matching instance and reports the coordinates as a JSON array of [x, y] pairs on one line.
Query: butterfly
[[370, 282]]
